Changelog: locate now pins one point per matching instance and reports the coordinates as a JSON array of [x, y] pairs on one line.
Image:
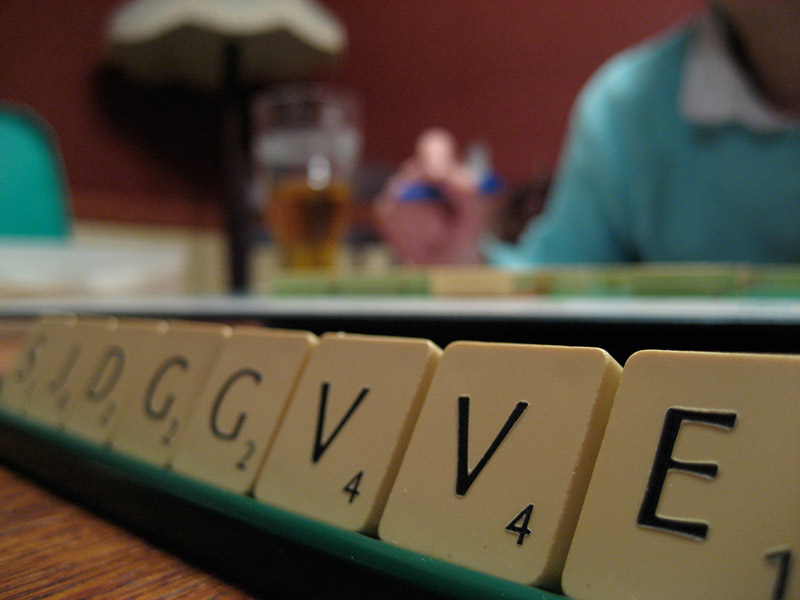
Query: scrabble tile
[[103, 386], [696, 490], [346, 427], [173, 375], [477, 281], [70, 362], [32, 367], [498, 463], [238, 413]]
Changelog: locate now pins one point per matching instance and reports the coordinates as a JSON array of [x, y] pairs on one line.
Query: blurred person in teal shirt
[[684, 148]]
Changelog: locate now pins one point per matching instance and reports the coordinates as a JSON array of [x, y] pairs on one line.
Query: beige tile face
[[46, 338], [336, 453], [696, 491], [103, 388], [239, 410], [70, 365], [173, 375], [500, 458]]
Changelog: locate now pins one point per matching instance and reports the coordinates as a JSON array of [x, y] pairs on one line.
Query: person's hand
[[442, 226]]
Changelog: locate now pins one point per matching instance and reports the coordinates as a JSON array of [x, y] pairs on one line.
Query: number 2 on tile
[[241, 464]]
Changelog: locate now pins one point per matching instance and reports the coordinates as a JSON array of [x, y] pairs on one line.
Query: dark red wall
[[502, 71]]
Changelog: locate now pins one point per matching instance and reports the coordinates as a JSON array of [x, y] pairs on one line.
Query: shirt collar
[[715, 89]]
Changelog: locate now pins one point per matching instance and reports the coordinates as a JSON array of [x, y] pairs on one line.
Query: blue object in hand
[[421, 191], [490, 184]]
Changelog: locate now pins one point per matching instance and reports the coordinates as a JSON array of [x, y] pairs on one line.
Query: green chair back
[[33, 191]]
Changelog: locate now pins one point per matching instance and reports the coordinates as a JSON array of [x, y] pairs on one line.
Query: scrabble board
[[630, 280]]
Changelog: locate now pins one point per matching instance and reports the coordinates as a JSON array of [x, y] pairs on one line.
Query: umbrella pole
[[234, 168]]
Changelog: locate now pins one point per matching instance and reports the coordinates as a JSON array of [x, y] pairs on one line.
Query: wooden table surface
[[50, 548]]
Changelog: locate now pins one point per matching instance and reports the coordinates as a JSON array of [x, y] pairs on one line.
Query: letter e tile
[[696, 490]]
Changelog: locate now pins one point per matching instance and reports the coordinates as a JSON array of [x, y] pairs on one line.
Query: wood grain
[[51, 548]]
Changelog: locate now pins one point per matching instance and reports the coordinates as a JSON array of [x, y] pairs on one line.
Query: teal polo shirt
[[639, 181]]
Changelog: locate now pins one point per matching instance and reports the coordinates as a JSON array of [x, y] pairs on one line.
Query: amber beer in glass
[[306, 149], [309, 223]]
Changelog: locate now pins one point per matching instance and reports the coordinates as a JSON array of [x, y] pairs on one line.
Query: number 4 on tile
[[352, 486], [520, 524]]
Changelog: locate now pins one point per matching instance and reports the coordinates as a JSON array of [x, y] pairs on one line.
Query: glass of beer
[[306, 148]]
